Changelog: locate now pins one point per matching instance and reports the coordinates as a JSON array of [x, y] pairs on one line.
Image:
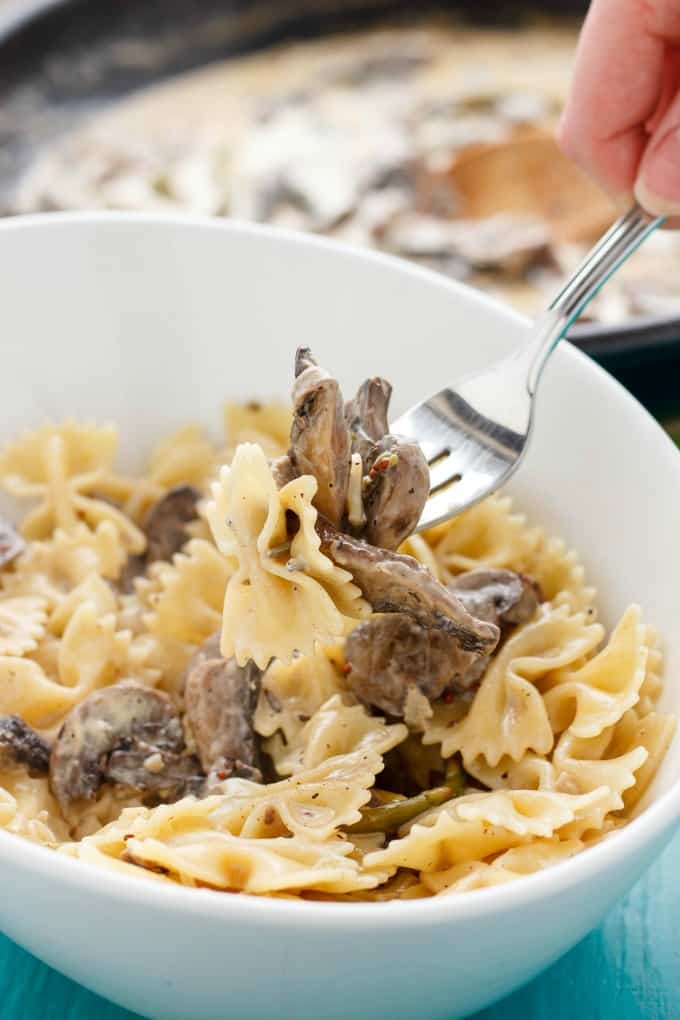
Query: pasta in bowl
[[468, 720], [234, 668]]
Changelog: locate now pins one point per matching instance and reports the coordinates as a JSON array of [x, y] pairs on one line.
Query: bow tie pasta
[[252, 675], [285, 596]]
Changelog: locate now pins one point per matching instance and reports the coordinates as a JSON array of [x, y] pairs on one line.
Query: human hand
[[622, 118]]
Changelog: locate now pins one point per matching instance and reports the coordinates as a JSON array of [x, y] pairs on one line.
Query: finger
[[619, 80], [669, 88], [657, 187]]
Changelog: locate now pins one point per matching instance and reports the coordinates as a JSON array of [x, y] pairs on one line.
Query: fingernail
[[657, 188]]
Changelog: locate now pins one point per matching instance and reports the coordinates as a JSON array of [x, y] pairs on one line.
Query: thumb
[[657, 187]]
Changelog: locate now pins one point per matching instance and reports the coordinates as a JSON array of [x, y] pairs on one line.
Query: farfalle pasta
[[23, 621], [91, 654], [52, 568], [479, 826], [267, 425], [336, 729], [507, 866], [68, 470], [189, 596], [244, 669], [94, 590], [284, 596], [586, 700], [187, 457], [253, 838], [28, 809], [509, 715], [291, 694]]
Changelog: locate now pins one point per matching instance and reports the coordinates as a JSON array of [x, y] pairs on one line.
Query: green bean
[[389, 817]]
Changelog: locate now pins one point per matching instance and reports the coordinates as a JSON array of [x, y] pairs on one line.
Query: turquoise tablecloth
[[629, 969]]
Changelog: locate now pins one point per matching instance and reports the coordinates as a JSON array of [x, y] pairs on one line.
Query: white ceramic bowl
[[153, 322]]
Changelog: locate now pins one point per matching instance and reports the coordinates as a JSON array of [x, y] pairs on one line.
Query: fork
[[475, 434]]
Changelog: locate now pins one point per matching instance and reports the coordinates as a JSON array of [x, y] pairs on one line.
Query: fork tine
[[431, 461], [446, 471], [450, 501]]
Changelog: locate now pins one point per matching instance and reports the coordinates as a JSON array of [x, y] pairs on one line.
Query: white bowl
[[152, 322]]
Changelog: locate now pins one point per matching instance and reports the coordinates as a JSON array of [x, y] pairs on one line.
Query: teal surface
[[629, 969]]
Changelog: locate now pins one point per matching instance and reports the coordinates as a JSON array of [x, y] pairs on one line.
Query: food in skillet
[[435, 144]]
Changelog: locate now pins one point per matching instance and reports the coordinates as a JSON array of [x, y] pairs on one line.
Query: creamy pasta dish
[[246, 671], [434, 143]]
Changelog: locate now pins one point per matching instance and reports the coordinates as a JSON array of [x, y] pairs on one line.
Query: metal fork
[[476, 433]]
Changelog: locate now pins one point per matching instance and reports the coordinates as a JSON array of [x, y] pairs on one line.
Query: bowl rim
[[656, 821]]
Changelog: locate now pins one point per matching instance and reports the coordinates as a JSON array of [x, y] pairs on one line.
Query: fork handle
[[610, 252]]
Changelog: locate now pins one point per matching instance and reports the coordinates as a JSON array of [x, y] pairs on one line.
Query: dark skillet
[[60, 59]]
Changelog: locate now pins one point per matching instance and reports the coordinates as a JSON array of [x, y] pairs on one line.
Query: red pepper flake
[[382, 464], [449, 698], [347, 668], [129, 835], [221, 774]]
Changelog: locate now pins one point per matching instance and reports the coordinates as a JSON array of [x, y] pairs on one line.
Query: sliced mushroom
[[169, 775], [210, 649], [320, 444], [366, 415], [388, 655], [505, 243], [396, 472], [165, 529], [498, 596], [134, 567], [283, 470], [11, 543], [21, 745], [166, 523], [126, 717], [220, 698], [394, 583], [396, 492]]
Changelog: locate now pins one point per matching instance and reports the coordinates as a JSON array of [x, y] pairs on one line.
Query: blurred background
[[423, 129]]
